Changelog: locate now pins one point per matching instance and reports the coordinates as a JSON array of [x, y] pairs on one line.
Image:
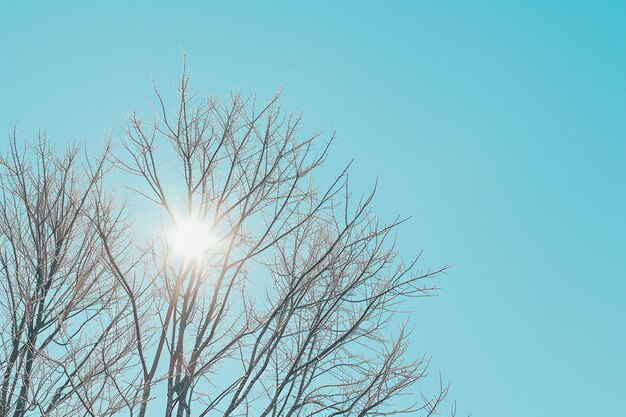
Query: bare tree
[[61, 316], [261, 293]]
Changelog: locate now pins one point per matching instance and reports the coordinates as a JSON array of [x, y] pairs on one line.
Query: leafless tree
[[62, 318], [287, 303]]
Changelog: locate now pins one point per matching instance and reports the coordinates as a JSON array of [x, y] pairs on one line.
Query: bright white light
[[190, 239]]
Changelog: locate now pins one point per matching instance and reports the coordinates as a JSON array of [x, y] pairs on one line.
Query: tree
[[260, 294], [63, 320]]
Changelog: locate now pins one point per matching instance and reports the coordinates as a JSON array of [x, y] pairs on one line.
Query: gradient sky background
[[499, 126]]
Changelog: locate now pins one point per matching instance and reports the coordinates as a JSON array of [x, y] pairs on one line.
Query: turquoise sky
[[499, 126]]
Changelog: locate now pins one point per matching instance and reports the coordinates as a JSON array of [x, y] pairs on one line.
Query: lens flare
[[190, 239]]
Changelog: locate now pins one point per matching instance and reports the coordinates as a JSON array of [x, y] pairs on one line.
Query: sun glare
[[190, 239]]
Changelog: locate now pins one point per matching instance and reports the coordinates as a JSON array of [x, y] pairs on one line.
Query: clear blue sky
[[499, 126]]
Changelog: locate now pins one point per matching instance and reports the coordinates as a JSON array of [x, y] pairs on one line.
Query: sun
[[190, 239]]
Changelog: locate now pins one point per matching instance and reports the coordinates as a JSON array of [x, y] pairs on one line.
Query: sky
[[499, 127]]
